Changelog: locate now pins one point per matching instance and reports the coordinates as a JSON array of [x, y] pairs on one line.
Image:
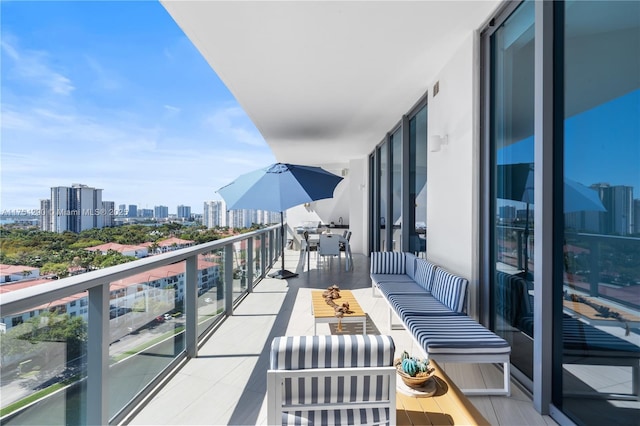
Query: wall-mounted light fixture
[[437, 141], [307, 205]]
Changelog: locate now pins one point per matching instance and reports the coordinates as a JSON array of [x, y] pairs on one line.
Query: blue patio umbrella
[[277, 188]]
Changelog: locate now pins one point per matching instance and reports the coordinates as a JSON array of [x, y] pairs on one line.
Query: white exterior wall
[[358, 191], [452, 172]]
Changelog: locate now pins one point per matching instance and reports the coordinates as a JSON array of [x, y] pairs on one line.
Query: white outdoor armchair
[[336, 379]]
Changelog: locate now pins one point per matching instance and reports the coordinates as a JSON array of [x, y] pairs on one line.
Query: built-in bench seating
[[431, 303]]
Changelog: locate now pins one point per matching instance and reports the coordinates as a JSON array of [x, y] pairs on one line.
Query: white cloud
[[104, 78], [136, 156], [131, 163], [171, 111], [233, 122], [32, 67]]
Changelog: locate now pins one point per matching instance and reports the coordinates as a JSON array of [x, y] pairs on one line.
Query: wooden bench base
[[448, 406]]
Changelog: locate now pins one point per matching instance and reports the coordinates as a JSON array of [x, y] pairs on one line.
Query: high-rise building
[[184, 212], [145, 213], [76, 208], [122, 210], [161, 212], [215, 214], [245, 218], [44, 219], [636, 216], [132, 211], [618, 219], [108, 213]]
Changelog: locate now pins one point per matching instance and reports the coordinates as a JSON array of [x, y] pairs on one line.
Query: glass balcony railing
[[88, 348]]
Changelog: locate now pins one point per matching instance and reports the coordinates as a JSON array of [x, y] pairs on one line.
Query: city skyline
[[114, 95]]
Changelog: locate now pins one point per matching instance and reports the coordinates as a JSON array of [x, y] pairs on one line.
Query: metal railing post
[[263, 254], [271, 242], [191, 306], [249, 265], [594, 261], [228, 279], [97, 404]]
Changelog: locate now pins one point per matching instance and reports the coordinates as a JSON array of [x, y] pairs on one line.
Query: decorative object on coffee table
[[332, 293], [337, 307]]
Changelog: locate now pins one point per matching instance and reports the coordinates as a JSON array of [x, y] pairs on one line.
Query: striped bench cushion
[[425, 272], [389, 278], [450, 289], [387, 262], [418, 304], [512, 298], [337, 417], [400, 287], [454, 334], [586, 340], [410, 265]]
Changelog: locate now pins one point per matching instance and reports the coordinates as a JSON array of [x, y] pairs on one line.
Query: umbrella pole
[[282, 274]]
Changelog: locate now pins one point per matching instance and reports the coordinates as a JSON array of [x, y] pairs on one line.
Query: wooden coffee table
[[325, 314]]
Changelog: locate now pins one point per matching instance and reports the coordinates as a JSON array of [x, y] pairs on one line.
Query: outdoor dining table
[[315, 240]]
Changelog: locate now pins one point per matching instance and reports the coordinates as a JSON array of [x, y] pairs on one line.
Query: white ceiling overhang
[[323, 81]]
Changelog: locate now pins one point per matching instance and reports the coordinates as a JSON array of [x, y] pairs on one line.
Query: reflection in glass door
[[383, 179], [396, 190], [512, 158], [418, 181], [600, 289]]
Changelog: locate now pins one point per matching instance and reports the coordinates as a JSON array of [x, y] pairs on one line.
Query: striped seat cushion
[[337, 417], [407, 305], [454, 334], [400, 287], [389, 278], [450, 289], [387, 262], [425, 272], [299, 352]]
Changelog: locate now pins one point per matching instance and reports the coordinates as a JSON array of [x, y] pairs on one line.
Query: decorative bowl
[[412, 381]]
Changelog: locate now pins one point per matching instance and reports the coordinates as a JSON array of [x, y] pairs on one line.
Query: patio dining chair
[[309, 246], [329, 246]]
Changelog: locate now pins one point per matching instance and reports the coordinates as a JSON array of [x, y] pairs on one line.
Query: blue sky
[[113, 95], [601, 144]]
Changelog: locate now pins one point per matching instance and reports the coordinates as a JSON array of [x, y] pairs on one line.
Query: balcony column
[[191, 306], [228, 279], [98, 356], [249, 265]]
